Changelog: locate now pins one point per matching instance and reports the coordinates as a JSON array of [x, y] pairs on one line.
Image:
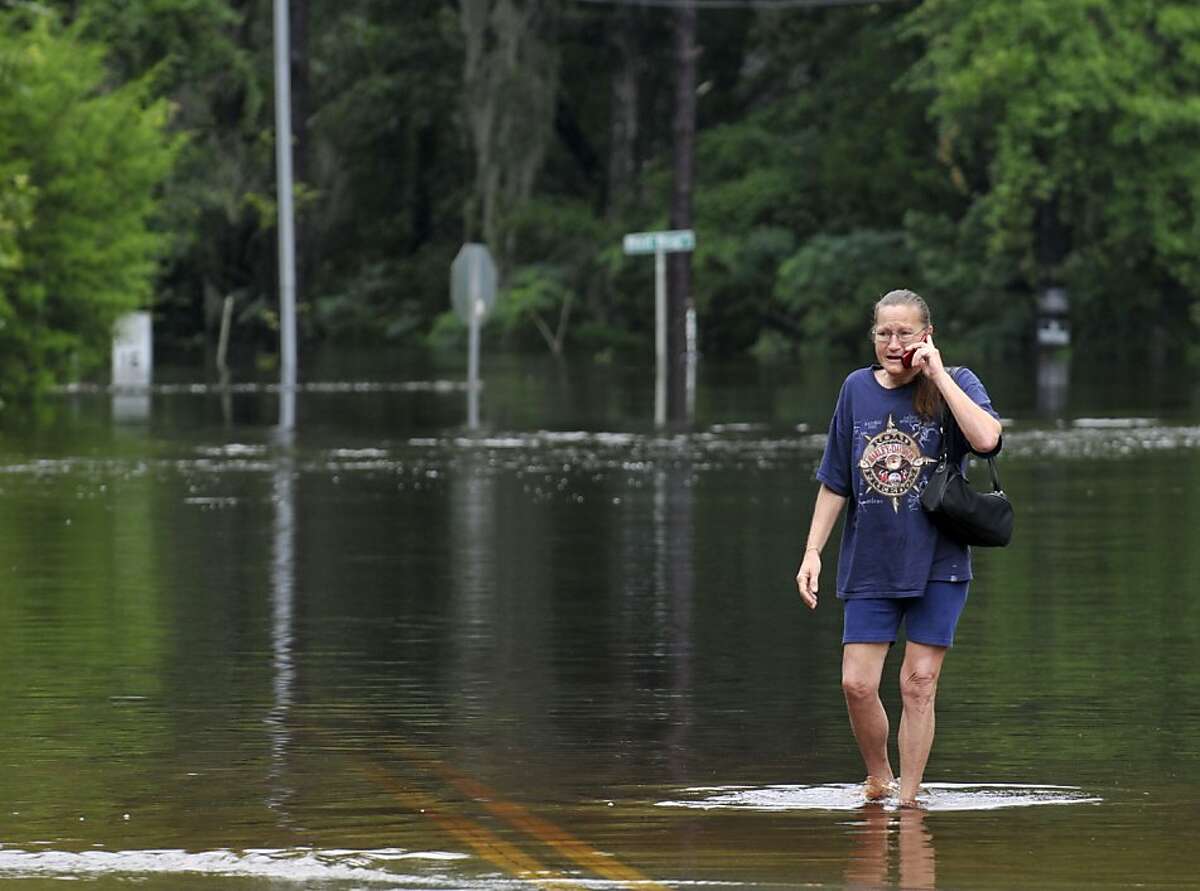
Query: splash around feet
[[933, 797], [878, 789]]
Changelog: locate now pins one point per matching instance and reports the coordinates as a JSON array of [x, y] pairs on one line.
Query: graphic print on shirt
[[891, 463]]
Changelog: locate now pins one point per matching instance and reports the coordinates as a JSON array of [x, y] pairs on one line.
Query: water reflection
[[473, 565], [870, 861], [576, 620], [673, 591], [283, 496], [131, 406], [1053, 382]]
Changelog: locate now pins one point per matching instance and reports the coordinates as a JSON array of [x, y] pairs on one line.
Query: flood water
[[566, 650]]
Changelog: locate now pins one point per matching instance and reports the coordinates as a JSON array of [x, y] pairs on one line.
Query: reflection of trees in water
[[571, 608], [869, 861], [652, 568], [1090, 533]]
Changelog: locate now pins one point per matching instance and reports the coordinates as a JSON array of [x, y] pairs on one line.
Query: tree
[[211, 59], [391, 166], [80, 169], [510, 81], [1074, 123]]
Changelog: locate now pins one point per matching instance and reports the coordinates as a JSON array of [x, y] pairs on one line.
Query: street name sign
[[669, 241]]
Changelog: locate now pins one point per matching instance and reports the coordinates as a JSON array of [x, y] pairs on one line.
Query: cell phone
[[907, 359]]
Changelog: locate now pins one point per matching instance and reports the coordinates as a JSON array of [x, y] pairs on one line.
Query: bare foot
[[877, 788]]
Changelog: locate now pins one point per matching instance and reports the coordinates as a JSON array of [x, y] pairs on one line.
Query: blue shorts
[[930, 619]]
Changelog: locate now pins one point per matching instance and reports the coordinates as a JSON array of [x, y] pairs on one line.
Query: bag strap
[[995, 478], [949, 424], [950, 428]]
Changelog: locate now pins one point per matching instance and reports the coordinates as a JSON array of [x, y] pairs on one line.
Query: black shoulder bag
[[984, 519]]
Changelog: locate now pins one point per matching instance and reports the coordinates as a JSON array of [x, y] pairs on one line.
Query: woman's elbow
[[989, 440]]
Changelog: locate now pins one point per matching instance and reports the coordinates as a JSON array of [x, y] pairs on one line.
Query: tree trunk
[[623, 126], [679, 269], [510, 80]]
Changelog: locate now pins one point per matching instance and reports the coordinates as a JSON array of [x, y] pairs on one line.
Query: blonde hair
[[927, 401]]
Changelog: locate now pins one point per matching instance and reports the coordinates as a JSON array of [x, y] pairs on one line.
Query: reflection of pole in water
[[674, 585], [1053, 381], [473, 543], [282, 601]]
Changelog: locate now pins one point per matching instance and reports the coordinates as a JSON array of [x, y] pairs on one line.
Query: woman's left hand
[[928, 358]]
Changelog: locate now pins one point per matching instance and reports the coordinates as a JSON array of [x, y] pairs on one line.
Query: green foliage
[[79, 168], [1077, 121], [817, 175], [968, 291], [559, 276], [389, 167], [17, 199], [537, 294], [210, 60], [832, 281], [976, 152]]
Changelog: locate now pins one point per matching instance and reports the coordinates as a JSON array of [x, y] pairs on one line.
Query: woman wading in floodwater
[[894, 566]]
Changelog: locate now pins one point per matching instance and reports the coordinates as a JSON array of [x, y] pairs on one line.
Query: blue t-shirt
[[879, 455]]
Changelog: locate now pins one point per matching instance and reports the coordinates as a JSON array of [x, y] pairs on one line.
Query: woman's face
[[903, 326]]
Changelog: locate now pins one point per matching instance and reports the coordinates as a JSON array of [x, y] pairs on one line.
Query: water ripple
[[575, 451], [848, 797], [296, 865]]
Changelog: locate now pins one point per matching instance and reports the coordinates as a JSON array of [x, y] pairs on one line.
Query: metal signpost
[[473, 294], [287, 237], [660, 244]]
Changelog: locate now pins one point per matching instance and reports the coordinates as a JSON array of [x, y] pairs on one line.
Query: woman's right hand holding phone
[[925, 356]]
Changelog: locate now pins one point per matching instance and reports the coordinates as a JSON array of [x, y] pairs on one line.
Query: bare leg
[[918, 689], [862, 666]]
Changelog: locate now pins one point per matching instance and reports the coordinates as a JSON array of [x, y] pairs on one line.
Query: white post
[[660, 336], [473, 367], [132, 367], [475, 312], [287, 238], [133, 351], [692, 356]]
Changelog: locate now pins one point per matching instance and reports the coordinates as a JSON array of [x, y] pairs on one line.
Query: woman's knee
[[858, 687], [918, 686]]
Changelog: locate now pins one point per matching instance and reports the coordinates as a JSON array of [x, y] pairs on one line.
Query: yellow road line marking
[[487, 844], [562, 841]]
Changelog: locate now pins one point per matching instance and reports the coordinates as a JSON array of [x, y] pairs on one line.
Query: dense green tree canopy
[[1076, 122], [976, 150]]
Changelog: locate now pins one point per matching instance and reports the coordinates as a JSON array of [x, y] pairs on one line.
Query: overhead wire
[[739, 4]]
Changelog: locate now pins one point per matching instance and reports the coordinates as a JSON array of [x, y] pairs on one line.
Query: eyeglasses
[[883, 335]]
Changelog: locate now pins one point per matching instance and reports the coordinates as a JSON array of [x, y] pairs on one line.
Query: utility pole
[[287, 236], [680, 264]]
